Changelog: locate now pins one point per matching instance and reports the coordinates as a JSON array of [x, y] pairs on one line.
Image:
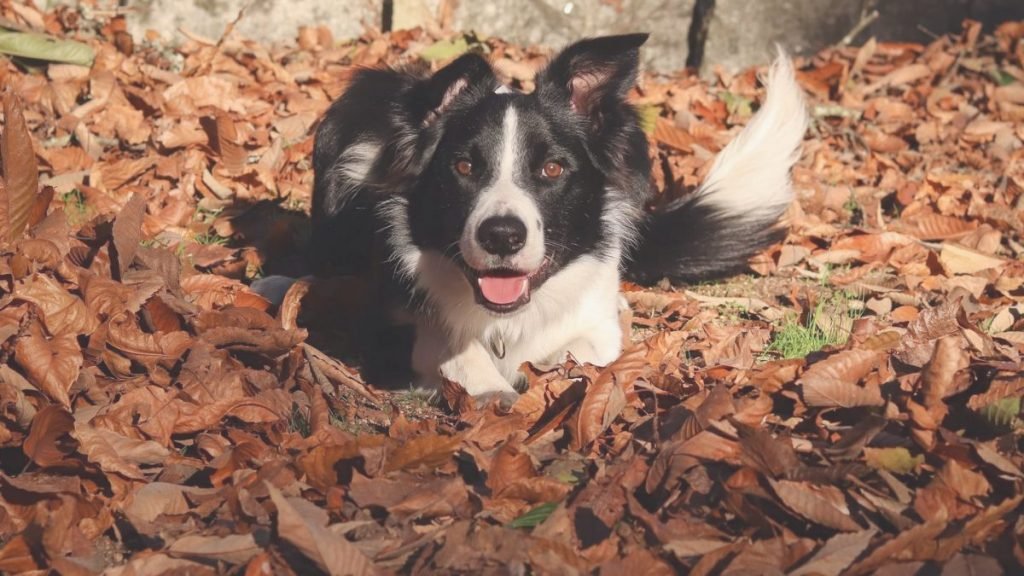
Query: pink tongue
[[503, 289]]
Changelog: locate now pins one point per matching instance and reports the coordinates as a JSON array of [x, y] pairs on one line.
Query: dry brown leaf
[[837, 554], [62, 313], [127, 233], [922, 533], [213, 292], [667, 133], [511, 464], [45, 445], [606, 396], [154, 499], [156, 564], [833, 382], [968, 484], [429, 451], [126, 336], [227, 143], [869, 247], [773, 457], [107, 297], [231, 549], [192, 418], [20, 182], [939, 227], [941, 377], [330, 552], [13, 402], [17, 556], [536, 490], [272, 343], [51, 364], [116, 453], [918, 343], [957, 259], [824, 505]]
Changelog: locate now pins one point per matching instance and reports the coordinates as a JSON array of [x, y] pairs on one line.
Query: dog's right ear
[[593, 73], [468, 77]]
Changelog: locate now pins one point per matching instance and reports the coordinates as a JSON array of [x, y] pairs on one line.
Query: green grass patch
[[353, 427], [737, 105], [854, 209], [1002, 414], [299, 423], [209, 238], [75, 208], [827, 325], [414, 400]]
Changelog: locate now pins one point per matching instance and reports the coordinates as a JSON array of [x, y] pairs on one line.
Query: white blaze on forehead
[[509, 151], [503, 197]]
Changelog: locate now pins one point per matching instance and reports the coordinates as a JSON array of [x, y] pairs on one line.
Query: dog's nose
[[502, 235]]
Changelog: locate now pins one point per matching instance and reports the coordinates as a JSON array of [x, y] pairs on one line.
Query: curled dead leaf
[[126, 336], [213, 292], [20, 183], [824, 505], [942, 376], [51, 364], [116, 453], [918, 343], [331, 552], [229, 146], [610, 391], [247, 329], [833, 382], [62, 313], [127, 233], [231, 549], [46, 444], [511, 464]]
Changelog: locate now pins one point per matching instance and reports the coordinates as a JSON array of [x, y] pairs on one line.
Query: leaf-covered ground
[[851, 406]]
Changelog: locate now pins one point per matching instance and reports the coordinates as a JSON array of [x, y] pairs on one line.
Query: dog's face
[[520, 185]]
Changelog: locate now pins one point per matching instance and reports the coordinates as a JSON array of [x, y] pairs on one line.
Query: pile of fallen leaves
[[157, 416]]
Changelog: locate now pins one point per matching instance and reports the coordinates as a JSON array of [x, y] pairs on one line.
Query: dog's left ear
[[468, 75], [592, 72]]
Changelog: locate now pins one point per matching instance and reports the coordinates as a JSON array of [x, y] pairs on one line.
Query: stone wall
[[740, 32]]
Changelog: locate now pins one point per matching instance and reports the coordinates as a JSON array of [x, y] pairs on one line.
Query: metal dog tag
[[498, 345]]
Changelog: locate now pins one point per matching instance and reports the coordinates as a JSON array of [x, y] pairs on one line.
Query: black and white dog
[[500, 224]]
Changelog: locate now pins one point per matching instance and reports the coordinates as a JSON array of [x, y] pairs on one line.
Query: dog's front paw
[[503, 399]]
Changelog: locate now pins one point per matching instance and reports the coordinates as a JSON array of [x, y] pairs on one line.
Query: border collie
[[499, 224]]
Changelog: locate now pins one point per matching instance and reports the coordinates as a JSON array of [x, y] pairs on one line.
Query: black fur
[[401, 110], [686, 242], [578, 114]]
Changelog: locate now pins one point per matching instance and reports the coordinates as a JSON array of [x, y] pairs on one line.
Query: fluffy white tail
[[750, 177], [736, 210]]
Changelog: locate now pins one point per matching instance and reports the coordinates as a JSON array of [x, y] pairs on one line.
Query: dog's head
[[518, 186]]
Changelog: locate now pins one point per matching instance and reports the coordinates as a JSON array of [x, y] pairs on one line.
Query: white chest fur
[[575, 311]]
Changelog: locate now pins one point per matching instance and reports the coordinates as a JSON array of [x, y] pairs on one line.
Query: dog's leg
[[471, 367], [600, 346]]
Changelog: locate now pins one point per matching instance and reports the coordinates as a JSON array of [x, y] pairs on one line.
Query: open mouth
[[505, 290]]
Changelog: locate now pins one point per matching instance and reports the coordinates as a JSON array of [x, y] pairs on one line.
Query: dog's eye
[[553, 170], [464, 167]]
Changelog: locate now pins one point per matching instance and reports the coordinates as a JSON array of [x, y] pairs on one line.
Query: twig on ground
[[335, 372], [865, 21]]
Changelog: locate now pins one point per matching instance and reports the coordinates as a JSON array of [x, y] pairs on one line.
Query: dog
[[499, 225]]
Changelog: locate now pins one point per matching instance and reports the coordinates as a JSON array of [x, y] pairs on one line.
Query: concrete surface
[[742, 32]]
